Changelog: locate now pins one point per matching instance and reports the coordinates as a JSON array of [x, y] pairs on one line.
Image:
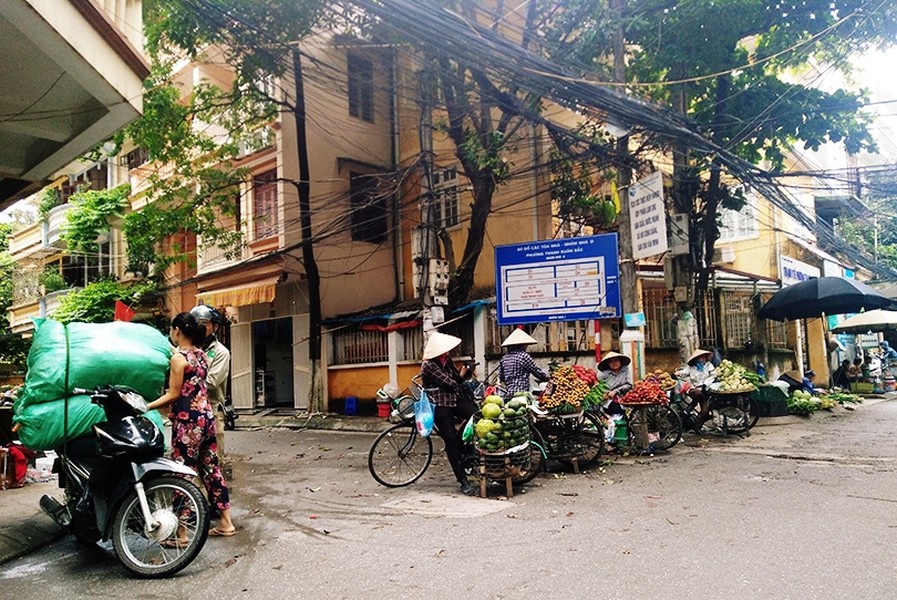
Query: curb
[[28, 535]]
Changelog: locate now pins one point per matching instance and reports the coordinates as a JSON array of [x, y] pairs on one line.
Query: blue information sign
[[558, 280]]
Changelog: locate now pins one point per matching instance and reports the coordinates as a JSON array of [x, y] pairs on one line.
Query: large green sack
[[43, 426], [89, 355]]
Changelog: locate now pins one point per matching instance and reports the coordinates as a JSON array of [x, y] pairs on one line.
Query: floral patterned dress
[[193, 440]]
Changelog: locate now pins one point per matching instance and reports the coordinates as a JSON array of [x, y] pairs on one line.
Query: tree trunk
[[313, 276], [462, 282]]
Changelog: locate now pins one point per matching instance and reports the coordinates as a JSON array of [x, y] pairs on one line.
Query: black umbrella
[[822, 296]]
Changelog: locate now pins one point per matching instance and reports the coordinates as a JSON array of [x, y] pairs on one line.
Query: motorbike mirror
[[135, 401]]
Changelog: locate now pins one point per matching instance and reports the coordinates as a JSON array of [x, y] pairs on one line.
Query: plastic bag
[[89, 355], [43, 426], [423, 415], [468, 432]]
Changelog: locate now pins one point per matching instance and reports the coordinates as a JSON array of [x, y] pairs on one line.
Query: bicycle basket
[[404, 407]]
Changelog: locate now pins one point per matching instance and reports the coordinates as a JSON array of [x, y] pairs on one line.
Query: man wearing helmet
[[218, 358]]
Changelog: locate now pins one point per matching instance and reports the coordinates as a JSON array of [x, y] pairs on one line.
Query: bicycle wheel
[[737, 414], [399, 456], [664, 422], [587, 441]]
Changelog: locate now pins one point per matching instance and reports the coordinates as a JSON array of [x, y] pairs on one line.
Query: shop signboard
[[648, 217], [558, 280], [795, 271]]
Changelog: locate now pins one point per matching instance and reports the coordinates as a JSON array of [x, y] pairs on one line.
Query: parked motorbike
[[118, 486]]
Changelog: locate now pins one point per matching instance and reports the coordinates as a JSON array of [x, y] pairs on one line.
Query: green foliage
[[200, 184], [13, 348], [48, 200], [90, 214], [484, 150], [52, 279], [95, 303]]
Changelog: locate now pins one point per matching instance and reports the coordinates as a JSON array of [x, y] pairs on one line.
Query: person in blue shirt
[[807, 382], [515, 367]]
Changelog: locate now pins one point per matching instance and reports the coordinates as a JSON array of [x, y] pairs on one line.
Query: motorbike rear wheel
[[181, 508]]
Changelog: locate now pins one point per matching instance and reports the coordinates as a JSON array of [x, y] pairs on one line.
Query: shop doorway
[[272, 345]]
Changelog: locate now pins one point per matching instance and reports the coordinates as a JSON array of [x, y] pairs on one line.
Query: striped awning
[[260, 291]]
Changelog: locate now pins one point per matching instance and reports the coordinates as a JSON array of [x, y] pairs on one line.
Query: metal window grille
[[660, 318], [738, 318], [412, 344], [352, 347]]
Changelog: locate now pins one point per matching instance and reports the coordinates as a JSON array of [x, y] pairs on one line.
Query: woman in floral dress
[[192, 420]]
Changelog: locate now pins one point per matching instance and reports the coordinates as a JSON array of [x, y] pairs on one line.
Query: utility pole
[[628, 285], [303, 188], [628, 291]]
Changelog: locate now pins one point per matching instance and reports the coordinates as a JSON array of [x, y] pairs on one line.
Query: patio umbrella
[[873, 320], [822, 296]]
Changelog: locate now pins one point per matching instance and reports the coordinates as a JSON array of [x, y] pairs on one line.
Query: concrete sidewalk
[[24, 528]]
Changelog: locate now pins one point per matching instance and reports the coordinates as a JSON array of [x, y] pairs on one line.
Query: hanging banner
[[558, 280], [647, 217]]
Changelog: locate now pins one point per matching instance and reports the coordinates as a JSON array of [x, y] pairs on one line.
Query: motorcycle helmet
[[202, 313], [217, 317]]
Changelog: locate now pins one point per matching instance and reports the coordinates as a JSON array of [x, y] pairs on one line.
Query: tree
[[13, 348], [874, 230], [255, 39], [737, 77]]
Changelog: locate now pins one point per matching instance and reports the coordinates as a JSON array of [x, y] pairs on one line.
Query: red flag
[[122, 312]]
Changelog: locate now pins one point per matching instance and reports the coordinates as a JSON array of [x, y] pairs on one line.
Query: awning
[[260, 291]]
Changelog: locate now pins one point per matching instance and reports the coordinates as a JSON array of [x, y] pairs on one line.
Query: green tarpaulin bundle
[[84, 355], [43, 426], [89, 355]]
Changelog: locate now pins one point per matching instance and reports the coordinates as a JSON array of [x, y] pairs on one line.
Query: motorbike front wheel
[[181, 511]]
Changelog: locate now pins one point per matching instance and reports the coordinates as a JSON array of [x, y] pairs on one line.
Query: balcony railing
[[213, 258], [56, 219]]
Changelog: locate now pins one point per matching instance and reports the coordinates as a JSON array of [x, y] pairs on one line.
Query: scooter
[[118, 486]]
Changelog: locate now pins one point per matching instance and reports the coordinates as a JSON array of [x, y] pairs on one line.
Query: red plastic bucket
[[383, 409]]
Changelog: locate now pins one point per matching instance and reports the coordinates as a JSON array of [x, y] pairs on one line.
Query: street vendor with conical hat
[[700, 375], [517, 365], [445, 384], [613, 370]]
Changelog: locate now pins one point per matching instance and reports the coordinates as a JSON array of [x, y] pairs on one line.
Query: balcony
[[211, 259], [74, 70], [54, 225]]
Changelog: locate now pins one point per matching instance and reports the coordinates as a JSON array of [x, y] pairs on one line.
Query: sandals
[[217, 532], [174, 543]]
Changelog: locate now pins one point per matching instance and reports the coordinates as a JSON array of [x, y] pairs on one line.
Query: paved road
[[805, 510]]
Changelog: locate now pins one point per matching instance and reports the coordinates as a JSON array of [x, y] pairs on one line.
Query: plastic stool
[[351, 405]]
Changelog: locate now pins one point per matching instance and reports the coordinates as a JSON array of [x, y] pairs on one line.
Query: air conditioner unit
[[723, 255]]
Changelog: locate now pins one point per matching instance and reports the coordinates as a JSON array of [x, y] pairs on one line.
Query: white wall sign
[[647, 217], [795, 271]]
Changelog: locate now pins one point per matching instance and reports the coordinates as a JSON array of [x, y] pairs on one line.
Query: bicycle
[[399, 455], [575, 440], [734, 413], [662, 426]]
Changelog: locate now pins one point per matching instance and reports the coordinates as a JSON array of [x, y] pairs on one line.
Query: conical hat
[[519, 337], [698, 353], [439, 344], [625, 360]]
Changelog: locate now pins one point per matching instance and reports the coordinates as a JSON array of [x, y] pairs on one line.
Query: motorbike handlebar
[[81, 391]]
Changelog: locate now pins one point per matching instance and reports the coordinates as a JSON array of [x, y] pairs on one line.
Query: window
[[445, 187], [264, 194], [738, 225], [368, 210], [361, 88]]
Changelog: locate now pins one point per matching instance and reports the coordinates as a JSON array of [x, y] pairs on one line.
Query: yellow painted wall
[[363, 382]]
